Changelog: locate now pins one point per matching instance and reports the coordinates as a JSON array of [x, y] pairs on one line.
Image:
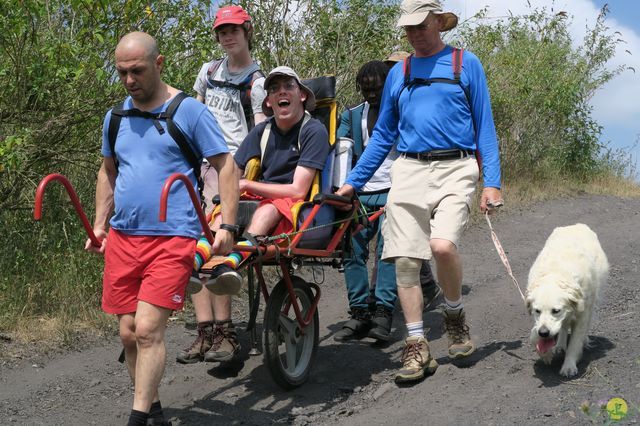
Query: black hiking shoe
[[224, 280], [357, 327], [430, 293], [381, 323], [158, 422], [194, 285]]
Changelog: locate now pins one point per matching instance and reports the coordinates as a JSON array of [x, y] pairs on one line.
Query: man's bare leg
[[128, 339], [202, 305], [411, 302], [150, 326], [449, 267], [450, 277]]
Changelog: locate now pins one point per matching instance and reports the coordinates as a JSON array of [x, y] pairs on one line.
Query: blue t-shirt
[[147, 158], [435, 117], [282, 153]]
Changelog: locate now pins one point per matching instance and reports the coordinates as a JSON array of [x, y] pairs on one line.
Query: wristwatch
[[234, 229]]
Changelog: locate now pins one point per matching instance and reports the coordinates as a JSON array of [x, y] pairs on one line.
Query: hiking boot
[[460, 344], [357, 327], [224, 280], [430, 293], [195, 352], [194, 285], [416, 360], [225, 343], [381, 323], [158, 422]]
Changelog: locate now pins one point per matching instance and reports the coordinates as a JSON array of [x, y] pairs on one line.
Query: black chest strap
[[118, 112]]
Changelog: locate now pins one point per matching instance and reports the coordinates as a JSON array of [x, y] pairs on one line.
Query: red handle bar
[[164, 197], [37, 212]]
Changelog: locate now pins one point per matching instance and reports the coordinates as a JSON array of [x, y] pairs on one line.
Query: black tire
[[283, 342]]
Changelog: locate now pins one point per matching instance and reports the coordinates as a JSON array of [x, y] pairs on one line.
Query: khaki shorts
[[427, 200]]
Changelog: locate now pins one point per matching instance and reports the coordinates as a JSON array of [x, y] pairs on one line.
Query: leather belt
[[440, 155]]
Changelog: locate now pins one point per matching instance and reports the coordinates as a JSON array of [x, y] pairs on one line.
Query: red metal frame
[[37, 212], [273, 251], [164, 197]]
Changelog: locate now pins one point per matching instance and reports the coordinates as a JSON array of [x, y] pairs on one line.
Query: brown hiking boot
[[416, 360], [203, 342], [460, 344], [225, 342]]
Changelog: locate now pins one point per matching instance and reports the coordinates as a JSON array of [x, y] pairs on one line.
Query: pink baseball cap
[[235, 15]]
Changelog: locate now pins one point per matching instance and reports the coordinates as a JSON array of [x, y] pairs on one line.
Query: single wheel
[[288, 352]]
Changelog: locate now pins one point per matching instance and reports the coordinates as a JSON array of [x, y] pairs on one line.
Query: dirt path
[[353, 383]]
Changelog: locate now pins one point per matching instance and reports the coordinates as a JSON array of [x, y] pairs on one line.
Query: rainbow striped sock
[[237, 257], [203, 253]]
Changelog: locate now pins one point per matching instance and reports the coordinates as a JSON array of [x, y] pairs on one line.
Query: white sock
[[453, 305], [415, 329]]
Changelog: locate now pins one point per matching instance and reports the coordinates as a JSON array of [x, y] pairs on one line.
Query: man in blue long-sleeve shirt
[[440, 114]]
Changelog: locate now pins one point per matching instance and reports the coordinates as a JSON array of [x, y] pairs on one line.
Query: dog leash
[[501, 253]]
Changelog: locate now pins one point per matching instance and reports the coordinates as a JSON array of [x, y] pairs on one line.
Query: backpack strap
[[213, 68], [117, 112], [244, 88], [245, 98], [267, 131], [179, 137], [114, 127], [174, 131], [406, 66], [456, 63], [264, 140], [456, 66]]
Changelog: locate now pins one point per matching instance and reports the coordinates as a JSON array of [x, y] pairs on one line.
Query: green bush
[[540, 89], [58, 80]]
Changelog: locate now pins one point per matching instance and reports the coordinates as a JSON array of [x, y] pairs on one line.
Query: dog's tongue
[[544, 345]]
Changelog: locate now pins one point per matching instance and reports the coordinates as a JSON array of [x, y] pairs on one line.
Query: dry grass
[[518, 194], [28, 336]]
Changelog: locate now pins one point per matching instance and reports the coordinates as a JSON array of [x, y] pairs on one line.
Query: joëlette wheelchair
[[321, 237]]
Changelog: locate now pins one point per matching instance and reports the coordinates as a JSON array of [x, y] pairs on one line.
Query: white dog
[[563, 287]]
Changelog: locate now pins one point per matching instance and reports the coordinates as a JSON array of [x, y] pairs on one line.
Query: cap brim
[[309, 104], [450, 19], [412, 19], [231, 21]]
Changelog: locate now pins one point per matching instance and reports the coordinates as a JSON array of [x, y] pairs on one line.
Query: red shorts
[[148, 268], [284, 205]]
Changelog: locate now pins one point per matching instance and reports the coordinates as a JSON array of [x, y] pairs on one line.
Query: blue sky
[[627, 12], [616, 106]]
